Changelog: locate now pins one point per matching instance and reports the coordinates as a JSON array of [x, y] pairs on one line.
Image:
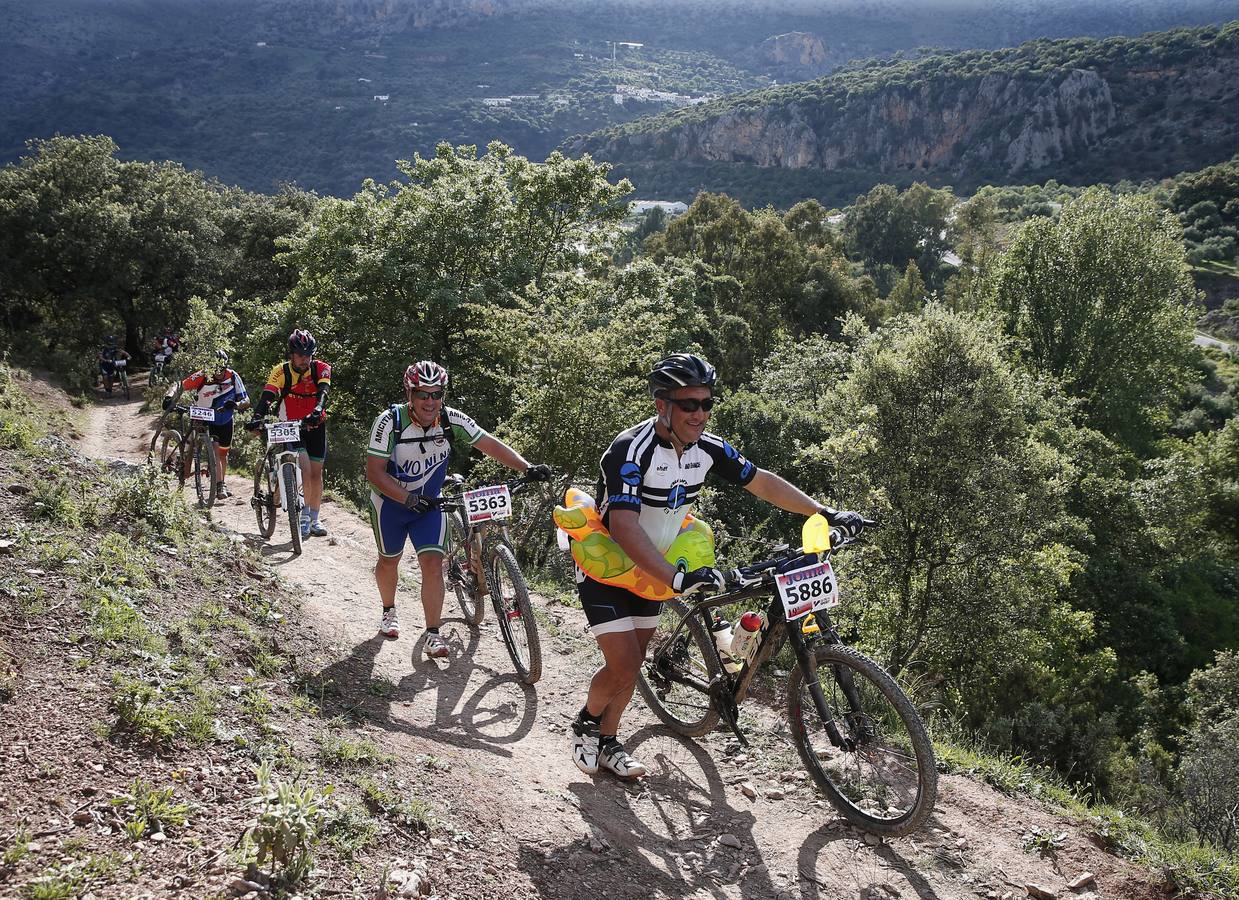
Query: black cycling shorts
[[314, 442], [612, 609], [222, 432]]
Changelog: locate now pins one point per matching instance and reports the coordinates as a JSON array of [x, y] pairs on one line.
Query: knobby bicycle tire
[[680, 707], [460, 570], [205, 459], [517, 624], [172, 455], [266, 496], [884, 780], [288, 478]]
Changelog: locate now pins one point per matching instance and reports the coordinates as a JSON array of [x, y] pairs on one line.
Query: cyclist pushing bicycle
[[651, 476], [406, 463], [224, 391]]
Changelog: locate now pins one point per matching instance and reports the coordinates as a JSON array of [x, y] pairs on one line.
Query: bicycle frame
[[478, 532], [728, 691]]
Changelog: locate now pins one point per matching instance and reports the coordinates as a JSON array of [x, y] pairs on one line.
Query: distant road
[[1203, 340]]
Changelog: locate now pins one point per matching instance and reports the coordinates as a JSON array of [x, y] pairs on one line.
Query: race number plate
[[804, 590], [202, 413], [283, 432], [487, 503]]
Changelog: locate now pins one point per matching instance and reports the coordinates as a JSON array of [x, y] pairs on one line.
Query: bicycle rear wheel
[[517, 624], [288, 478], [172, 454], [458, 569], [682, 707], [204, 461], [266, 496], [883, 779]]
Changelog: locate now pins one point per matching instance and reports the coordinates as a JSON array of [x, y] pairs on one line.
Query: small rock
[[872, 840], [239, 886], [775, 795], [730, 840], [1083, 881], [598, 846], [82, 817], [6, 545], [1041, 893], [748, 790], [18, 488], [158, 837]]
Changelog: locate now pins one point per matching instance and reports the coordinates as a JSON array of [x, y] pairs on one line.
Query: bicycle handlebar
[[456, 483], [755, 572]]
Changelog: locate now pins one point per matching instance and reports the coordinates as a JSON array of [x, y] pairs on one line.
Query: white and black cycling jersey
[[642, 472]]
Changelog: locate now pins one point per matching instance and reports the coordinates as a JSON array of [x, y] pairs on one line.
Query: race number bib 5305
[[284, 432], [487, 503], [202, 413], [806, 589]]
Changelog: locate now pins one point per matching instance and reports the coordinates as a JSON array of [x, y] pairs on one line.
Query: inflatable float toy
[[600, 558]]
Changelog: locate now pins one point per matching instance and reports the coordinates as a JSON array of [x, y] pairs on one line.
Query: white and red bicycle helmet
[[423, 375]]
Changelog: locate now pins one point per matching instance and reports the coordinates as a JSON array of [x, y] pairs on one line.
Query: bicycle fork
[[807, 663]]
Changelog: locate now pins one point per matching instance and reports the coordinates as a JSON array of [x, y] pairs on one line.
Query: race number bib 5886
[[487, 503], [202, 413], [806, 589]]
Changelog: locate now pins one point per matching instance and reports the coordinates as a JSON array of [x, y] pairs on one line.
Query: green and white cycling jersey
[[417, 457]]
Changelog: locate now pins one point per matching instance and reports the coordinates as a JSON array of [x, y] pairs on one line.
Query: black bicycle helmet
[[681, 370], [301, 341]]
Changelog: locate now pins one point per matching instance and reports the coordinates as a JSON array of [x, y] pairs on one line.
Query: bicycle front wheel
[[266, 497], [292, 499], [204, 461], [517, 624], [459, 570], [684, 708], [883, 778]]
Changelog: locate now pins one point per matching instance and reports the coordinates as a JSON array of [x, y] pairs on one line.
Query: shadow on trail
[[870, 867], [438, 700], [664, 831]]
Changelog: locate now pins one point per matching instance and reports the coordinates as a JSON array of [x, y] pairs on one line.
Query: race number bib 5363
[[202, 413], [284, 432], [806, 589], [487, 503]]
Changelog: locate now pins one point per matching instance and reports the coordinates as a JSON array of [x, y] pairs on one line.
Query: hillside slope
[[1081, 110], [260, 93], [453, 769]]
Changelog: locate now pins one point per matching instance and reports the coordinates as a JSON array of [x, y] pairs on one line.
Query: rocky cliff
[[794, 56], [1009, 114]]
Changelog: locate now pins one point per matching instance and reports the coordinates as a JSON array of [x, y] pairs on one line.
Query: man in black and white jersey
[[651, 476]]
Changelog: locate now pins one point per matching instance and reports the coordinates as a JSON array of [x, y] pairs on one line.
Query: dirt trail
[[501, 749]]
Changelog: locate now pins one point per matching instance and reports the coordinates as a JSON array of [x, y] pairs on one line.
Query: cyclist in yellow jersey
[[299, 388]]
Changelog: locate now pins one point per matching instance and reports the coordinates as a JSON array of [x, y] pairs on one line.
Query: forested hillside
[[1083, 111], [260, 94]]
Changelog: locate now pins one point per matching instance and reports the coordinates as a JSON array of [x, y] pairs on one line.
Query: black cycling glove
[[705, 578], [851, 524], [540, 472], [418, 503]]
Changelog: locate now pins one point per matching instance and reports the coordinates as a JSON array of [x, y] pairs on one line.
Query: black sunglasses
[[692, 404], [428, 395]]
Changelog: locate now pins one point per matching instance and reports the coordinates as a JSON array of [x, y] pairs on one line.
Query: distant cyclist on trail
[[651, 476], [224, 391], [406, 463], [299, 389], [107, 361]]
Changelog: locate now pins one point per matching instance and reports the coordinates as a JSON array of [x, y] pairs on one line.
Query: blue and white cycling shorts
[[393, 523]]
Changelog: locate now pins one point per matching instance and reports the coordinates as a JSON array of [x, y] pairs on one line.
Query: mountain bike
[[192, 452], [121, 369], [858, 734], [480, 561], [277, 481]]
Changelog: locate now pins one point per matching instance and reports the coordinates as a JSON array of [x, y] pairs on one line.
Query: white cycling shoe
[[436, 647], [585, 745], [615, 759], [390, 626]]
